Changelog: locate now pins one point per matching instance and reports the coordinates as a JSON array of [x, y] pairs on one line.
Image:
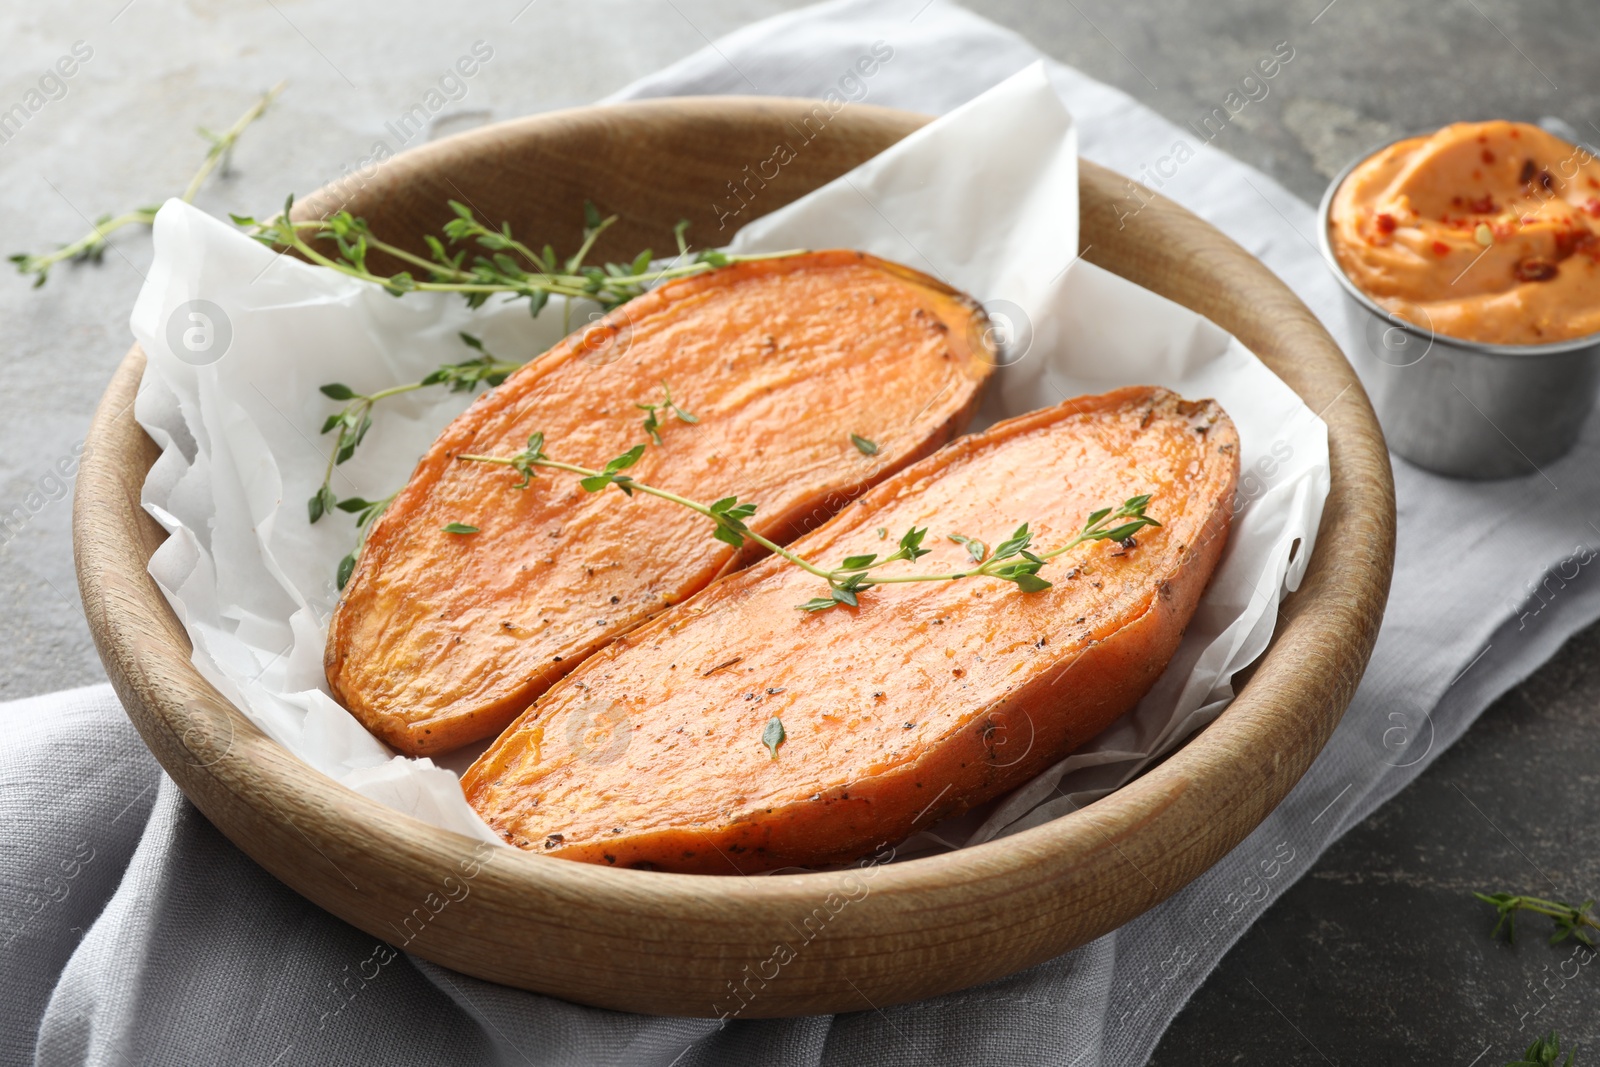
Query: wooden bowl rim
[[1338, 606]]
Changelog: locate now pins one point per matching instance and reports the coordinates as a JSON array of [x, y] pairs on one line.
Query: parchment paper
[[985, 197]]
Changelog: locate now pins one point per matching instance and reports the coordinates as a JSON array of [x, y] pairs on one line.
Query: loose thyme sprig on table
[[1544, 1052], [92, 246], [1011, 561], [1574, 921]]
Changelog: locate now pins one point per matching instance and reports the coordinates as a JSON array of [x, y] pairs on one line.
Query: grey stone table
[[1379, 955]]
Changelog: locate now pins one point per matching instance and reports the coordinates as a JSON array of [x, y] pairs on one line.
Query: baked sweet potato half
[[443, 638], [927, 698]]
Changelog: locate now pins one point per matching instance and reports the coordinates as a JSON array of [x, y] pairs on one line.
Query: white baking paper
[[985, 198]]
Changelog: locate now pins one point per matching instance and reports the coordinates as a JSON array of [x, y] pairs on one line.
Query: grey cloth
[[165, 945]]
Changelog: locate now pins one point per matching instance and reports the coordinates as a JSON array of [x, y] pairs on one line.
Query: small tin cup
[[1458, 407]]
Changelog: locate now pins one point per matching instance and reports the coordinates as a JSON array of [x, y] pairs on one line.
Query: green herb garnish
[[366, 513], [668, 408], [864, 446], [612, 476], [1543, 1053], [502, 265], [354, 419], [484, 369], [91, 248], [773, 735], [458, 528], [975, 548], [1570, 921], [1012, 560]]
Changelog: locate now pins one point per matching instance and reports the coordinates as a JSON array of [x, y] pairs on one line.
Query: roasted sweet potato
[[924, 700], [444, 638]]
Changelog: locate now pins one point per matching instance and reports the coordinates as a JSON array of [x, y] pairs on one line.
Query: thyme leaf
[[1543, 1053], [366, 513], [975, 548], [773, 735]]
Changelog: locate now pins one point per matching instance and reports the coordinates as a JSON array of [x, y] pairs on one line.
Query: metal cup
[[1458, 407]]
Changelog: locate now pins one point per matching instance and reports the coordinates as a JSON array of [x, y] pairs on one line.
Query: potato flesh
[[442, 639], [926, 699]]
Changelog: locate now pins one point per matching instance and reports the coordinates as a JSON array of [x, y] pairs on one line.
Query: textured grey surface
[[1379, 954]]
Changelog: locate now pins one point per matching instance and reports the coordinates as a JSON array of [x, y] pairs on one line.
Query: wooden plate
[[790, 944]]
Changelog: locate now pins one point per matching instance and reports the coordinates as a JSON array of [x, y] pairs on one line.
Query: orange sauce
[[1484, 231]]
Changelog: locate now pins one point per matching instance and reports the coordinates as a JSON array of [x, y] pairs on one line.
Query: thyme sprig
[[655, 414], [91, 247], [1544, 1052], [1574, 921], [502, 264], [483, 369], [366, 513], [1012, 560], [354, 419]]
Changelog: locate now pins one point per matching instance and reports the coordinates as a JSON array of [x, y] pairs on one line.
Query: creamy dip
[[1485, 231]]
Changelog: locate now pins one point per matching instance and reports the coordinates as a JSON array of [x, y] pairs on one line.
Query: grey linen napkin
[[137, 935]]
